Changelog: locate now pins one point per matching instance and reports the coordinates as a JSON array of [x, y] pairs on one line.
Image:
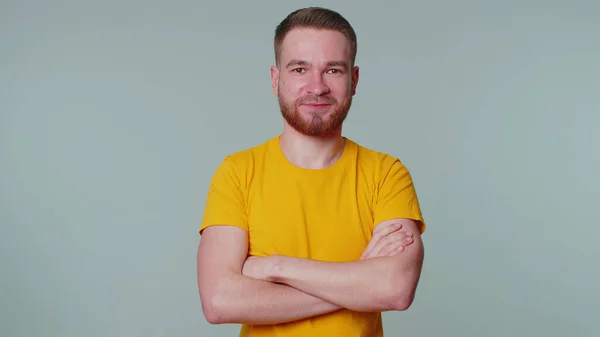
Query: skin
[[381, 283], [314, 83], [235, 288]]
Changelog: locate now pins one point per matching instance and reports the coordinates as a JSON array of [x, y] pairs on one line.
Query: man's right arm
[[228, 296]]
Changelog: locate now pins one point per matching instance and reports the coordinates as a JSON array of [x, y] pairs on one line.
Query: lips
[[313, 102], [317, 105]]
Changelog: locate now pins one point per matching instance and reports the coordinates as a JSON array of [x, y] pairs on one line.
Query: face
[[315, 80]]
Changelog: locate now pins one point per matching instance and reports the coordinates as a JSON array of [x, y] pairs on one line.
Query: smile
[[317, 105]]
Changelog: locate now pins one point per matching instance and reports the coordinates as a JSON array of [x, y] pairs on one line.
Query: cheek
[[291, 87], [340, 88]]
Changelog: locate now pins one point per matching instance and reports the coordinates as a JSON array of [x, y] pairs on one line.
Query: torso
[[323, 215]]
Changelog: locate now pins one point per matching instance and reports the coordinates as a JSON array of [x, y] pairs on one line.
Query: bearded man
[[310, 233]]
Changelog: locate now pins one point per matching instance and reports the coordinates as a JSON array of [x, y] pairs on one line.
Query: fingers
[[392, 249], [378, 233], [391, 243], [401, 238], [381, 231]]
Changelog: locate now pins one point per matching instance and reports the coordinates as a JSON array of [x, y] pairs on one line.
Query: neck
[[311, 152]]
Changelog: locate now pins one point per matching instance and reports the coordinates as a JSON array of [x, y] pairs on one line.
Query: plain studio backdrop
[[115, 114]]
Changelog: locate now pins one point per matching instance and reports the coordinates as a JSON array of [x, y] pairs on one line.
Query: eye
[[334, 71], [298, 70]]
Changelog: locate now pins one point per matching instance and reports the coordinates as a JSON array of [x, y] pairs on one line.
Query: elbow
[[398, 300], [400, 296], [213, 316], [403, 285], [401, 301], [214, 310], [219, 305]]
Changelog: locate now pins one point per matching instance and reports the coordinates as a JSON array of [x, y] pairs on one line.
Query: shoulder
[[248, 154], [243, 162], [379, 162]]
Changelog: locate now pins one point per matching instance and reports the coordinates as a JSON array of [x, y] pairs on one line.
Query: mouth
[[316, 105]]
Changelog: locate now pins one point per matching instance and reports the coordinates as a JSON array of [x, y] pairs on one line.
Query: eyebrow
[[306, 63]]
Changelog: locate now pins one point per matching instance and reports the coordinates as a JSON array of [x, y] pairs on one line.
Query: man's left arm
[[381, 283]]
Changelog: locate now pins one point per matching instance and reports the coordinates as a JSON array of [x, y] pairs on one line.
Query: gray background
[[114, 115]]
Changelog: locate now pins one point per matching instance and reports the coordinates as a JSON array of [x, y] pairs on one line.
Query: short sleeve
[[225, 201], [396, 196]]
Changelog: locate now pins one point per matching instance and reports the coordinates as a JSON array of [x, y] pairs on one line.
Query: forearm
[[235, 298], [377, 284]]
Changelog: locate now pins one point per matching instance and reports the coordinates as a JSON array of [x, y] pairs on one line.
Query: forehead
[[315, 45]]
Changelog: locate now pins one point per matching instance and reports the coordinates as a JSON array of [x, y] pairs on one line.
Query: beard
[[321, 122]]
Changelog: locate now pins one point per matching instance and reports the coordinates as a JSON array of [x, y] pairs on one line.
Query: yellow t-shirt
[[325, 214]]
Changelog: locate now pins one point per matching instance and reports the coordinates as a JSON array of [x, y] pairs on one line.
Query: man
[[309, 233]]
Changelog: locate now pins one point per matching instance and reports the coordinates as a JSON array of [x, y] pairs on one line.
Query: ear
[[275, 79], [354, 79]]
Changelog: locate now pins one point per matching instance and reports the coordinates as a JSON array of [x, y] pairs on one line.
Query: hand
[[261, 268], [387, 240]]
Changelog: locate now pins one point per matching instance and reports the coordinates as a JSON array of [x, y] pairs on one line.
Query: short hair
[[319, 18]]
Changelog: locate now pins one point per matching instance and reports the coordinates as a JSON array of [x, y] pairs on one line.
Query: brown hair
[[319, 18]]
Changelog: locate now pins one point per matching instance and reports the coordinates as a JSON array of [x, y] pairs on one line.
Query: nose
[[317, 85]]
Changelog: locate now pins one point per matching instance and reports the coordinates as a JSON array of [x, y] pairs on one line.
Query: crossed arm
[[279, 289]]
